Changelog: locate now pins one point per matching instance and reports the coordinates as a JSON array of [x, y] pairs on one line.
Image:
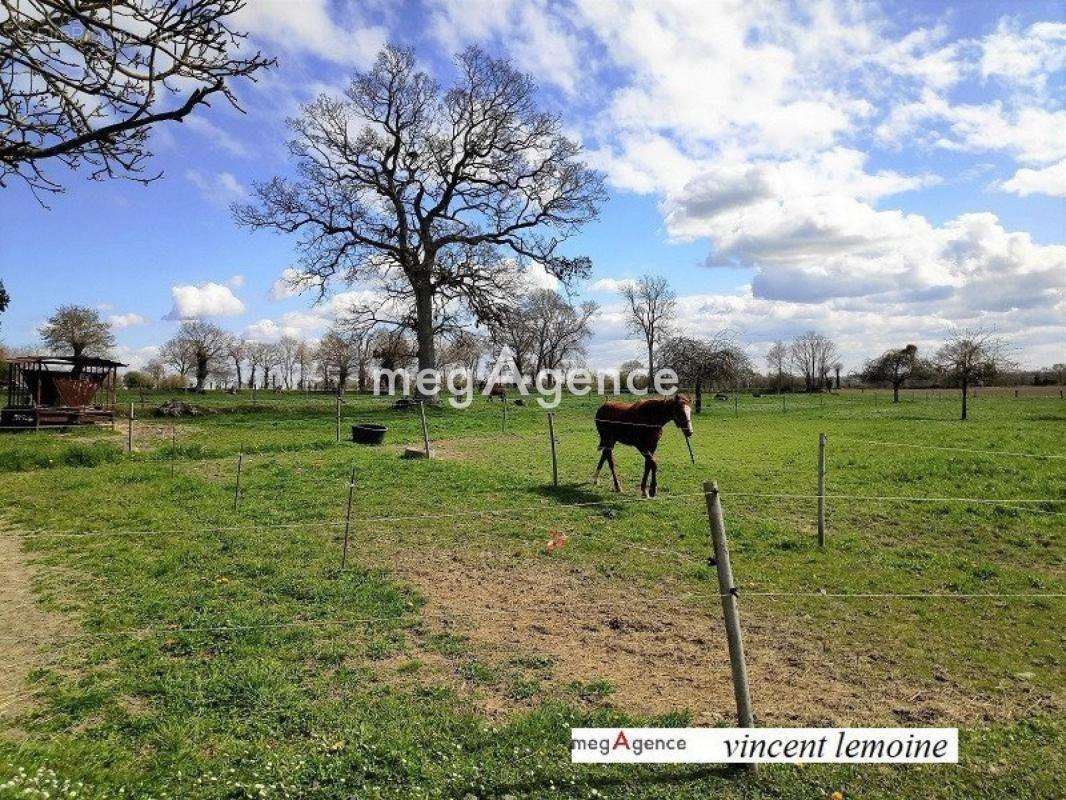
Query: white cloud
[[224, 140], [1049, 180], [220, 189], [236, 282], [120, 321], [1026, 56], [204, 300], [313, 27], [287, 285], [610, 285]]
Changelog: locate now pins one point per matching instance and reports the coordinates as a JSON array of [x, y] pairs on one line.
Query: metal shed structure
[[60, 390]]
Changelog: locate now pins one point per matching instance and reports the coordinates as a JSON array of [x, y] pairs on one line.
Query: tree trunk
[[895, 392], [251, 378], [342, 379], [201, 373], [238, 366], [427, 346], [651, 366], [699, 395]]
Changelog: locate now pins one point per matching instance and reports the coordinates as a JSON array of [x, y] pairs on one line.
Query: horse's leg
[[644, 479], [654, 473], [614, 472], [596, 474]]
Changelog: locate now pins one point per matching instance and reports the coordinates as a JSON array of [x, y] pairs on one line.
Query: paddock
[[936, 598]]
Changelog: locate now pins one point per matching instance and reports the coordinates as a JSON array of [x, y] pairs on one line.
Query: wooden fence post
[[237, 485], [425, 427], [348, 520], [338, 417], [821, 490], [129, 431], [551, 438], [728, 592]]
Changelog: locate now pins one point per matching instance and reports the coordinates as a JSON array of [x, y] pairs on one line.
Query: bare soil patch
[[27, 630], [657, 653]]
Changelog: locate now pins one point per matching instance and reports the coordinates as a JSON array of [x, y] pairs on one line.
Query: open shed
[[60, 390]]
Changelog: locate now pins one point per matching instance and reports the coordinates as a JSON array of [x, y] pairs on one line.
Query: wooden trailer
[[44, 391]]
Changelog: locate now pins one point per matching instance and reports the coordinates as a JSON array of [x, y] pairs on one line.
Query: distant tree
[[431, 194], [305, 358], [393, 349], [288, 348], [812, 354], [625, 369], [237, 352], [777, 358], [82, 82], [651, 306], [337, 355], [176, 353], [895, 368], [137, 379], [5, 298], [971, 355], [544, 330], [156, 369], [465, 349], [700, 363], [203, 345], [79, 330]]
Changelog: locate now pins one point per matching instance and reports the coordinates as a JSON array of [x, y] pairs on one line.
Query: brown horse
[[639, 425]]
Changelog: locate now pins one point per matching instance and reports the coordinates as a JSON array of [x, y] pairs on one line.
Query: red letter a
[[621, 741]]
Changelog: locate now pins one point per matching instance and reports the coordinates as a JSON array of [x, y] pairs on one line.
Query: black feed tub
[[368, 433]]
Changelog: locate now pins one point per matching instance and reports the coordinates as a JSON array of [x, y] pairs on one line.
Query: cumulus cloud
[[204, 300], [120, 321], [1049, 180], [314, 28], [610, 285], [288, 285]]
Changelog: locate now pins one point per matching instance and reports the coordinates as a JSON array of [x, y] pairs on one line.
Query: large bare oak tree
[[83, 81], [437, 198]]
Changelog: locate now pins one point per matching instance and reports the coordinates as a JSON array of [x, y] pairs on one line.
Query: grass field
[[162, 643]]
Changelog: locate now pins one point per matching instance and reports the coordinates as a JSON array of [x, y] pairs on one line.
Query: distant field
[[165, 644]]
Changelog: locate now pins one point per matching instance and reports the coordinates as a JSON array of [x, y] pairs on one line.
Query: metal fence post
[[551, 438], [821, 490], [728, 592], [237, 485], [348, 519], [425, 426]]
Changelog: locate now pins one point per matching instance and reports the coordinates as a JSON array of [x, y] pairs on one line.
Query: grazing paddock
[[167, 644]]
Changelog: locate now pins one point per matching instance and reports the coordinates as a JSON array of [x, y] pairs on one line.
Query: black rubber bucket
[[368, 433]]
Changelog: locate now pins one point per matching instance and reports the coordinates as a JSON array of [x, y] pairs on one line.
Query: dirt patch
[[28, 630], [643, 650]]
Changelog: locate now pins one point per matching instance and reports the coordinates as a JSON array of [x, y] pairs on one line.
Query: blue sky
[[878, 172]]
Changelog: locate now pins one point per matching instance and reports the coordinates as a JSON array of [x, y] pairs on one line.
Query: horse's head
[[683, 414]]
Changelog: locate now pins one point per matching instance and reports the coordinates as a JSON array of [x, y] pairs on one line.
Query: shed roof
[[85, 361]]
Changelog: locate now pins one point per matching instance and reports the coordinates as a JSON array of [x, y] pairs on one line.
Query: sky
[[882, 173]]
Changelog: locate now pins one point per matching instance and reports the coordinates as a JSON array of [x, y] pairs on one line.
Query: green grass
[[290, 696]]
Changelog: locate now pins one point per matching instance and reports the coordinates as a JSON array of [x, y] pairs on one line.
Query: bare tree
[[970, 355], [78, 330], [305, 357], [177, 354], [5, 298], [156, 369], [896, 367], [813, 354], [465, 349], [336, 353], [426, 192], [651, 306], [83, 81], [204, 344], [544, 330], [713, 363], [777, 359], [288, 350], [237, 351]]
